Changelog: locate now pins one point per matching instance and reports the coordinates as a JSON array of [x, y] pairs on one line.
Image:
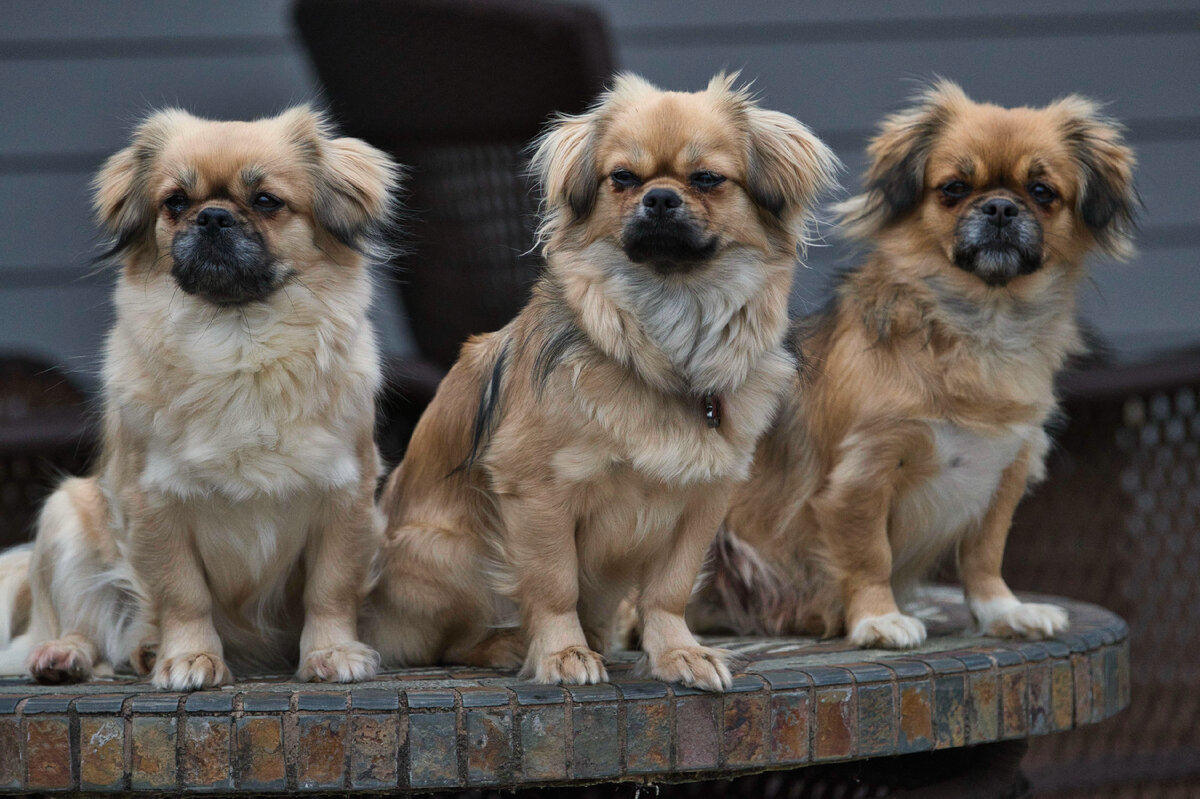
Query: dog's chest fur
[[242, 407], [246, 424], [968, 467]]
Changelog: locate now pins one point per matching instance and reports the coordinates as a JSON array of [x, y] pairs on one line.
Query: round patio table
[[820, 706]]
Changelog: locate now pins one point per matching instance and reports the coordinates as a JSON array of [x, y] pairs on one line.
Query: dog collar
[[711, 405]]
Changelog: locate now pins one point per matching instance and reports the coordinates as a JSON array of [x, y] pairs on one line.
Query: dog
[[588, 448], [918, 419], [231, 517]]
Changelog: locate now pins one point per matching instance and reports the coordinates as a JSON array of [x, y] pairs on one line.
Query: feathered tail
[[15, 602]]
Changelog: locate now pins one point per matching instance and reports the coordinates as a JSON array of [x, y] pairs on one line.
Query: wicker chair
[[44, 433], [455, 90]]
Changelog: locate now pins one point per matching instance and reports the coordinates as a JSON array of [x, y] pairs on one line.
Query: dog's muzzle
[[661, 233], [217, 259], [998, 239]]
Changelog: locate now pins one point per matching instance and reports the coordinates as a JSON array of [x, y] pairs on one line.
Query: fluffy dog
[[918, 420], [589, 447], [231, 517]]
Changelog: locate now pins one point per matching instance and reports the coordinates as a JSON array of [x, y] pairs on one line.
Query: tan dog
[[231, 516], [589, 447], [917, 422]]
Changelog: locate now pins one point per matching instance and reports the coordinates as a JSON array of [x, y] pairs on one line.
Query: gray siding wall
[[74, 76]]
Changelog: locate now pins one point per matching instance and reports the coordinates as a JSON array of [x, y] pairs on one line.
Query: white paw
[[695, 666], [1011, 618], [575, 665], [348, 662], [191, 672], [57, 662], [889, 631]]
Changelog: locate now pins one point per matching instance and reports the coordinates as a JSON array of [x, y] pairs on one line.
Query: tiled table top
[[796, 701]]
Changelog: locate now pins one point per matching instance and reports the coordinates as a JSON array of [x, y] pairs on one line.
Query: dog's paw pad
[[1027, 620], [191, 672], [56, 662], [694, 666], [575, 665], [889, 631], [348, 662]]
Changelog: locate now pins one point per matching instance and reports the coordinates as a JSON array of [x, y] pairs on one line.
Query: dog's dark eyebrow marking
[[486, 411], [253, 175], [966, 166], [186, 179], [1037, 168]]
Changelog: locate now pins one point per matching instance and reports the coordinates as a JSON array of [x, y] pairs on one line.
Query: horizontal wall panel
[[67, 20], [630, 16], [89, 105], [850, 86]]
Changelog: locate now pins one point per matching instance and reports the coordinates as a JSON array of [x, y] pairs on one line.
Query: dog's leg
[[672, 652], [431, 602], [852, 515], [996, 610], [540, 545], [85, 611], [190, 655], [336, 560]]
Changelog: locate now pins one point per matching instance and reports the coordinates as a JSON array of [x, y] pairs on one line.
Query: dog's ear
[[564, 166], [355, 185], [120, 190], [1107, 201], [895, 179], [787, 165]]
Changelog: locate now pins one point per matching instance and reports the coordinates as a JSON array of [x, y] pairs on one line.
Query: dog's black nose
[[1000, 211], [658, 202], [213, 219]]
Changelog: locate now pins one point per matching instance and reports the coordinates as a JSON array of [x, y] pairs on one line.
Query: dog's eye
[[706, 180], [955, 189], [1042, 194], [176, 202], [625, 179], [267, 202]]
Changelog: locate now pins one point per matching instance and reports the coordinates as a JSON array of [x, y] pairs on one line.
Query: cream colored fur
[[231, 518]]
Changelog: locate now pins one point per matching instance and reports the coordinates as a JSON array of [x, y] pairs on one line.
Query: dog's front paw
[[56, 662], [190, 672], [695, 666], [1016, 619], [575, 665], [889, 631], [348, 662]]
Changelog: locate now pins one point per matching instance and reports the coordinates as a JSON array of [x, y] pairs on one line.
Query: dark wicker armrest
[[409, 386]]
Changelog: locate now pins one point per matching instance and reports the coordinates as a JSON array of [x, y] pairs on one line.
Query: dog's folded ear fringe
[[789, 169], [1108, 201], [358, 188], [899, 151], [120, 189]]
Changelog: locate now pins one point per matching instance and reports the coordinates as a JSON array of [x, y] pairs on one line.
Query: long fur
[[231, 517], [589, 468], [920, 416]]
